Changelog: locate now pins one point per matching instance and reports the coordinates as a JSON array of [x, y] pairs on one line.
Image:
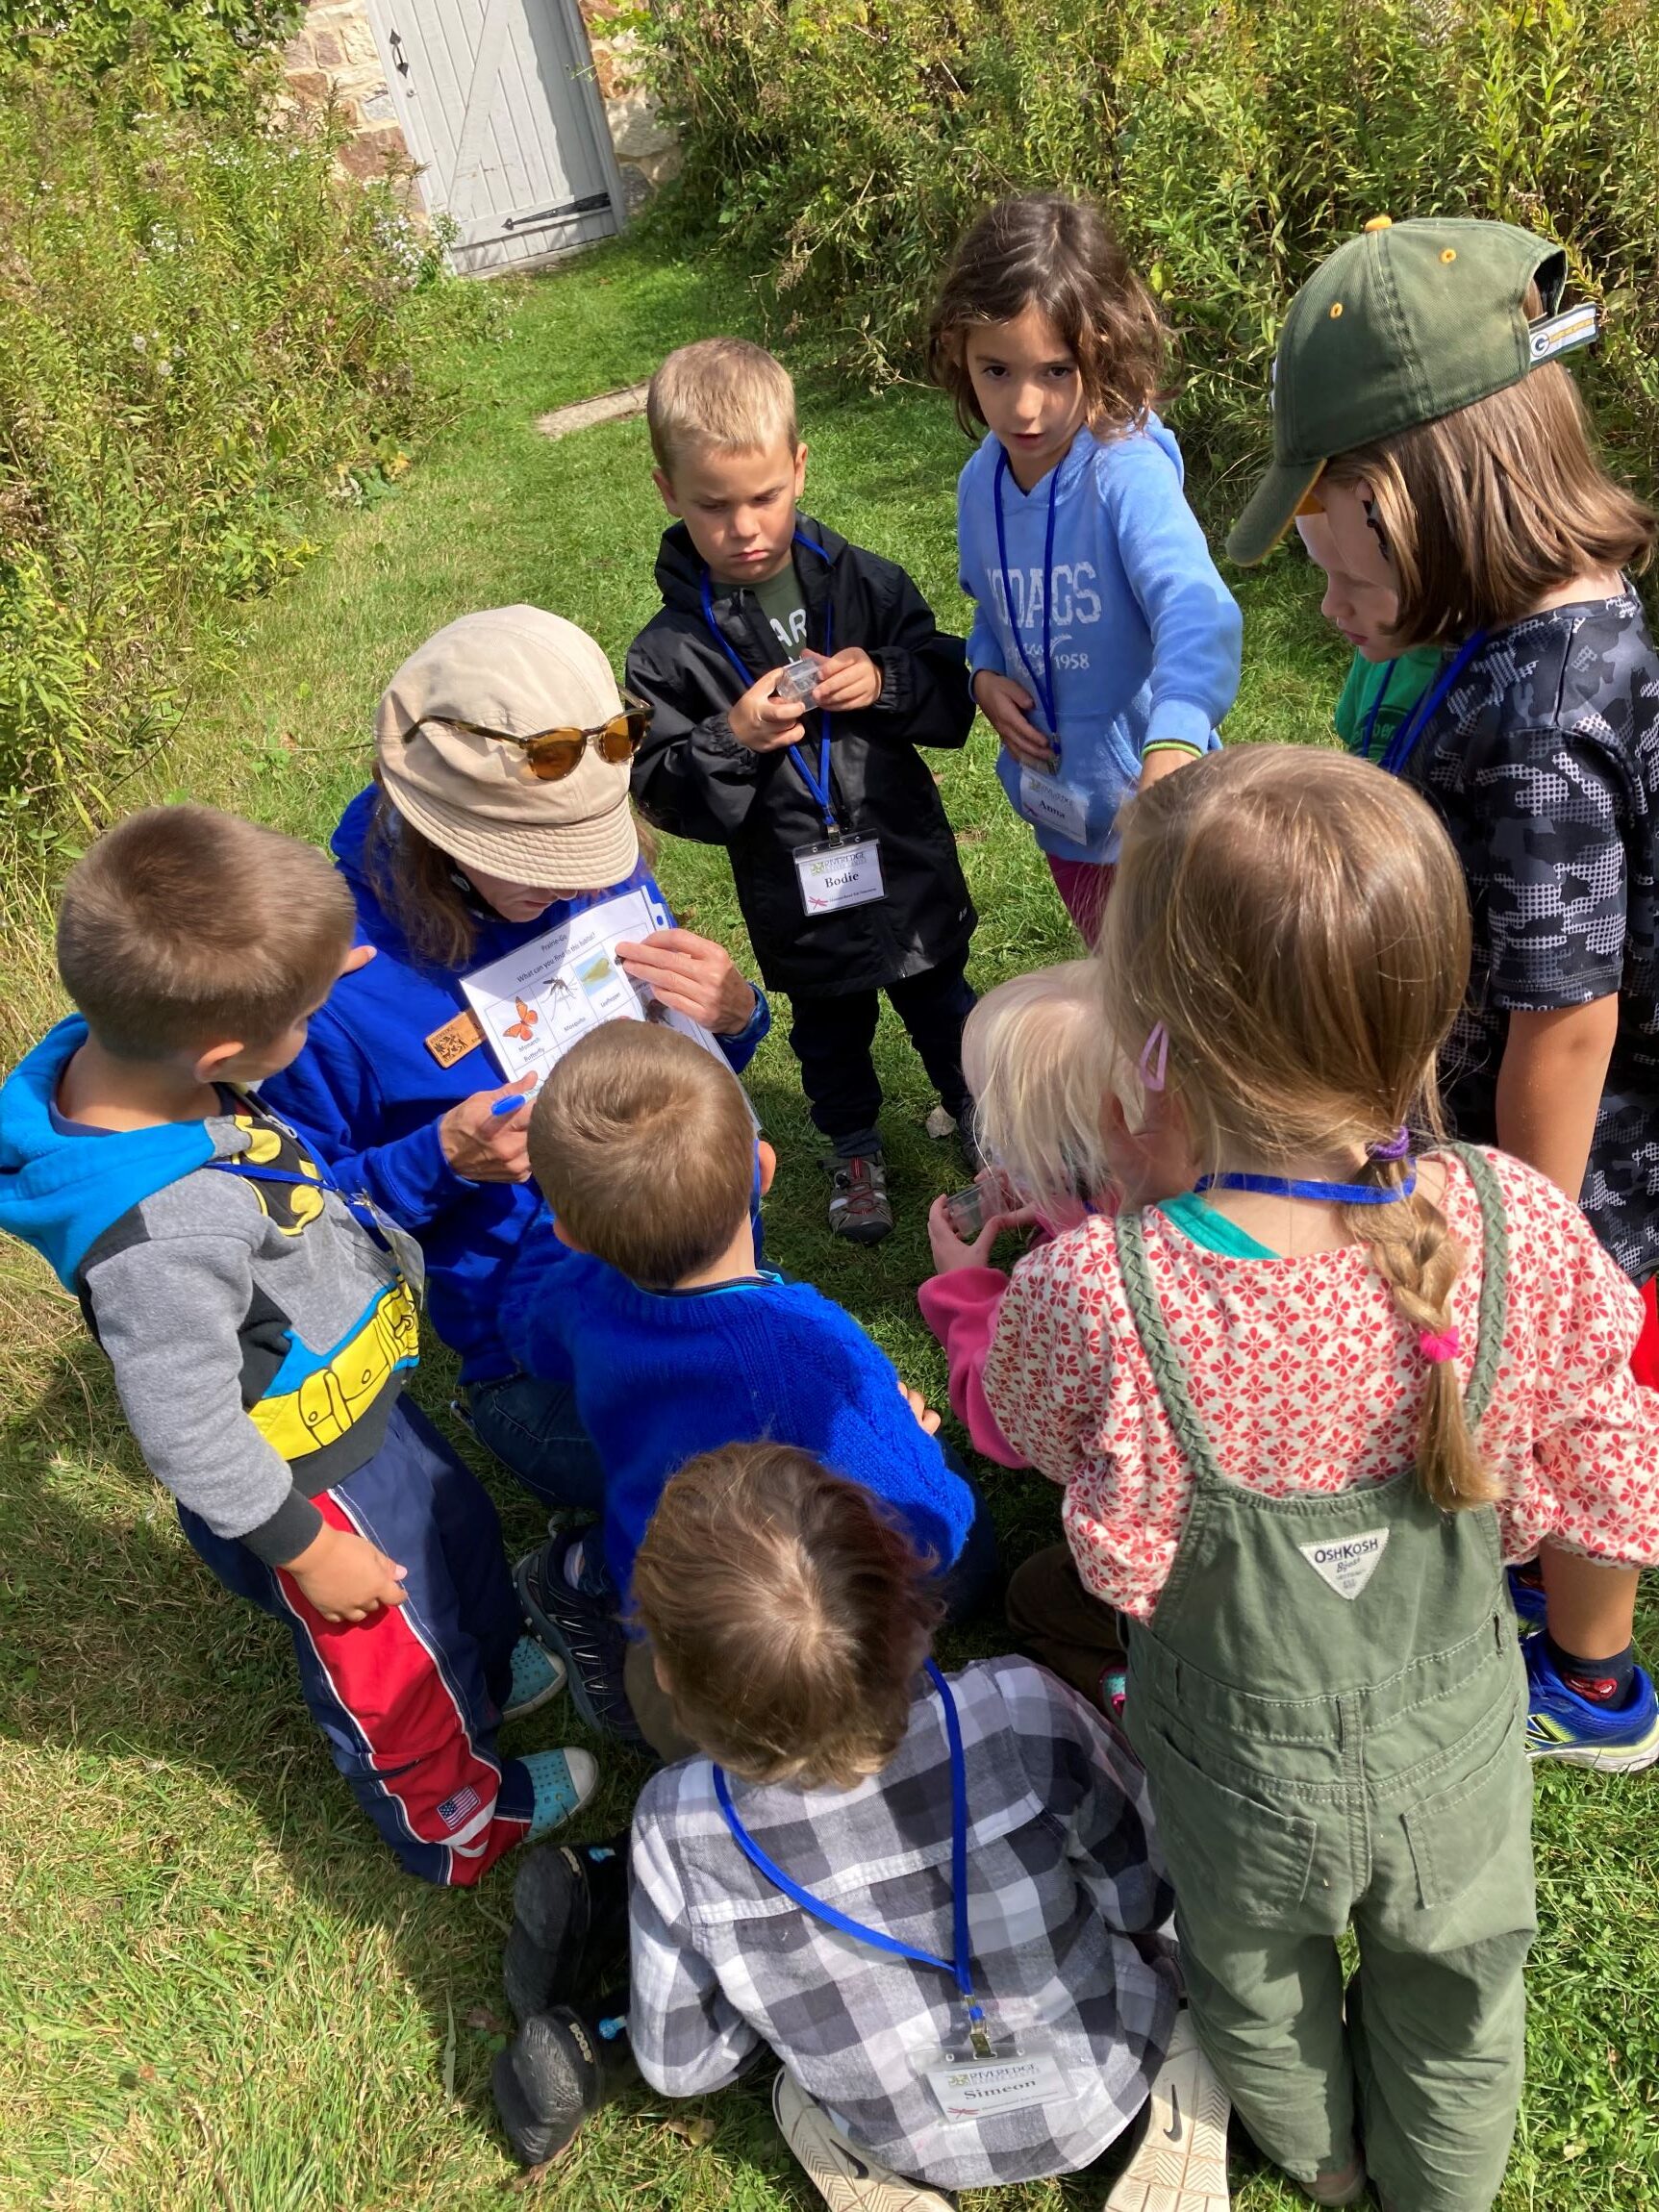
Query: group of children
[[1310, 1375]]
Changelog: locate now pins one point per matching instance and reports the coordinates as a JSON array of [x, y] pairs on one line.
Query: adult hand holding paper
[[694, 976]]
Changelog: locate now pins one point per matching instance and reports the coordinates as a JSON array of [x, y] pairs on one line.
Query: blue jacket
[[662, 1377], [374, 1093], [1144, 635], [59, 1193]]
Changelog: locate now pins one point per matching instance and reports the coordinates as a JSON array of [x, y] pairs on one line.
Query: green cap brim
[[1271, 511]]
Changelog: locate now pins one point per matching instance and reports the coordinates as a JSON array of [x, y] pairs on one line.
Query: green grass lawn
[[216, 1994]]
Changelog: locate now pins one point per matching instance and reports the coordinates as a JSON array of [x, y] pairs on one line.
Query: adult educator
[[499, 810]]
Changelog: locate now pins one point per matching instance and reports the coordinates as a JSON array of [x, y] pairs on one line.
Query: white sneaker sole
[[849, 2181], [1600, 1760], [1181, 2165]]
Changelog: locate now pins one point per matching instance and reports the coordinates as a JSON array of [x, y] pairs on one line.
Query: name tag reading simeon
[[840, 871]]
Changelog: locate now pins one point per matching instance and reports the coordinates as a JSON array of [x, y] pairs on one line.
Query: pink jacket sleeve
[[961, 1309]]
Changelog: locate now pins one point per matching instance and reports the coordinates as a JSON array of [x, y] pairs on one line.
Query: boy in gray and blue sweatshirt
[[260, 1323]]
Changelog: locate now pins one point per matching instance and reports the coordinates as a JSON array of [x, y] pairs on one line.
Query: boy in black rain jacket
[[843, 860]]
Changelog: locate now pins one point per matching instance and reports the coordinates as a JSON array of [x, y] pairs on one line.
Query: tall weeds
[[840, 145], [202, 332]]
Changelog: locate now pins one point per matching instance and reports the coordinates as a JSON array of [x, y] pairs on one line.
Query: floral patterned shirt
[[1307, 1378]]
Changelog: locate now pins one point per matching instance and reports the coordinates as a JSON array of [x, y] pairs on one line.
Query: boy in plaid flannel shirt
[[775, 1875]]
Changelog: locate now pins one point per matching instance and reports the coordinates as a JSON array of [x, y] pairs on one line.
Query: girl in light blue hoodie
[[1105, 645]]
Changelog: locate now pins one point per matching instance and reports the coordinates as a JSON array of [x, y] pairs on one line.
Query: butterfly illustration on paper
[[527, 1020]]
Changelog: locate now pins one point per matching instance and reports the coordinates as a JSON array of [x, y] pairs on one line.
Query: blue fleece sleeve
[[741, 1045], [868, 1431], [331, 1091], [536, 1307], [1194, 622], [984, 648]]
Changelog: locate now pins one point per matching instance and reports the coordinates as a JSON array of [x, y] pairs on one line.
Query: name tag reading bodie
[[840, 871], [1055, 805]]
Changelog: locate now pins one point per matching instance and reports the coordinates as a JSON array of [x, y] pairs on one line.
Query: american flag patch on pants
[[454, 1810]]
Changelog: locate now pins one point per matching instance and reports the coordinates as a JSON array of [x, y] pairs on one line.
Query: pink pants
[[1083, 886]]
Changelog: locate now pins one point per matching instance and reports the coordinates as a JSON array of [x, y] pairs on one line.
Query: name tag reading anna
[[839, 872], [1043, 799]]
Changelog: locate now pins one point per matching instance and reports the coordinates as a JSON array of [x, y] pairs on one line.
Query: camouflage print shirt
[[1544, 764]]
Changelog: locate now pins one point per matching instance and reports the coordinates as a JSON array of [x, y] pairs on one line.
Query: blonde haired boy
[[845, 863]]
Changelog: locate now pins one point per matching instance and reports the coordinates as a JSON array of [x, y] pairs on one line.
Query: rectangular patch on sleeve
[[1348, 1563], [456, 1038]]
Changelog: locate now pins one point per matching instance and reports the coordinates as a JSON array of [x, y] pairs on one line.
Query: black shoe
[[560, 2067], [569, 1924], [859, 1209], [584, 1632]]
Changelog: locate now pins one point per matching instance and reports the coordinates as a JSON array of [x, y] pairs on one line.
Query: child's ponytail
[[1421, 1260]]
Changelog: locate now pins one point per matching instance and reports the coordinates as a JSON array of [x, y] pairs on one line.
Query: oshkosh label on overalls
[[1348, 1563], [841, 871]]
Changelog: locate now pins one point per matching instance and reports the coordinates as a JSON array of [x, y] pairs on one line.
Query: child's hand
[[1007, 706], [920, 1406], [484, 1146], [763, 721], [346, 1577], [949, 1252], [1155, 767], [692, 976], [846, 682]]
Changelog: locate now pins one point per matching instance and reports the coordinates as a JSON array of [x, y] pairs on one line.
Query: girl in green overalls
[[1308, 1392]]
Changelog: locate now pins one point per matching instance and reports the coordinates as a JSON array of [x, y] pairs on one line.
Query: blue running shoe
[[1527, 1599], [1561, 1724], [536, 1678]]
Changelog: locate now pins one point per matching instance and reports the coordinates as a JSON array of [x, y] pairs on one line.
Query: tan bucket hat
[[517, 671]]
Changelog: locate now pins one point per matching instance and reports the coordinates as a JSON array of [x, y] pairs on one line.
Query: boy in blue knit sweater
[[678, 1343]]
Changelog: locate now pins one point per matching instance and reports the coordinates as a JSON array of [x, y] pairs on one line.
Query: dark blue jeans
[[534, 1431], [976, 1580]]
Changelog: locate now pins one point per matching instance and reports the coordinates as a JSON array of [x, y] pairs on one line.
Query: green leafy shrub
[[840, 146], [203, 330]]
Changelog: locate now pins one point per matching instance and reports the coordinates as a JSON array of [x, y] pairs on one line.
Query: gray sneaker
[[1181, 2162], [849, 2181], [859, 1209]]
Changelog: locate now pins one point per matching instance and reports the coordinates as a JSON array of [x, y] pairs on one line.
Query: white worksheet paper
[[536, 1002]]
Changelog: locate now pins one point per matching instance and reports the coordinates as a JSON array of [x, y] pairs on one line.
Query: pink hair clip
[[1443, 1344], [1154, 1057]]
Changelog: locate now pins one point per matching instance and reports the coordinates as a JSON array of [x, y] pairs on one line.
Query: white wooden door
[[498, 105]]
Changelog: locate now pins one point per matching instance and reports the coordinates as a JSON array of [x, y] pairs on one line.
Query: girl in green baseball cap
[[1439, 456]]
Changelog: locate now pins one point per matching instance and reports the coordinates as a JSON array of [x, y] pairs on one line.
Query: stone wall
[[333, 53], [647, 150]]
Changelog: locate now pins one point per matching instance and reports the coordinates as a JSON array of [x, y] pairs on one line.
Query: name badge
[[456, 1038], [970, 2088], [841, 871], [1055, 805]]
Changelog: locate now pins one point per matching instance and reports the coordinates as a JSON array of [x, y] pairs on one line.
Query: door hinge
[[592, 204]]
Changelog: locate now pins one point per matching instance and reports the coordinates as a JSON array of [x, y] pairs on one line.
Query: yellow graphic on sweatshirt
[[288, 1207], [316, 1408]]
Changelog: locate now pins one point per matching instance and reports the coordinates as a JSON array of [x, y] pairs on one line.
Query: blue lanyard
[[819, 785], [359, 1208], [1403, 744], [1377, 710], [1044, 685], [959, 1967], [1334, 1193]]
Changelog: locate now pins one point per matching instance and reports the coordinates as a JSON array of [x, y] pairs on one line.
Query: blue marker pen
[[512, 1105]]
